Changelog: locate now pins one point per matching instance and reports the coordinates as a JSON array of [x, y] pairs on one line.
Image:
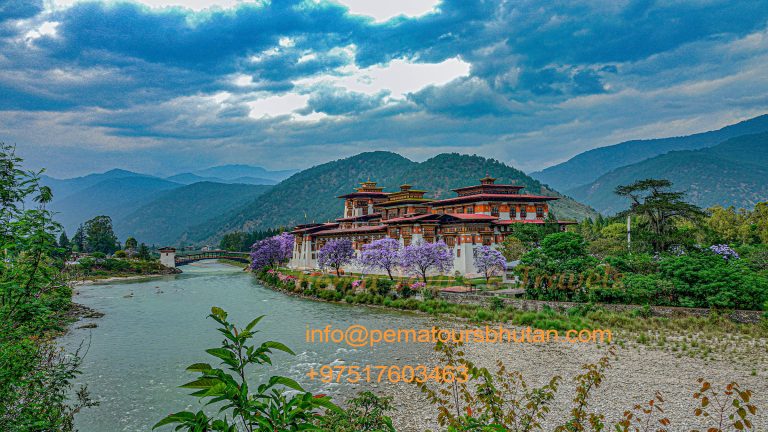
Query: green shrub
[[496, 303], [381, 286], [366, 412]]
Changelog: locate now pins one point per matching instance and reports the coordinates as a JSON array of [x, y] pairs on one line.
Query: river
[[154, 328]]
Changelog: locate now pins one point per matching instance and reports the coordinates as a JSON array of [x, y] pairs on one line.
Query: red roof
[[366, 228], [489, 186], [533, 221], [409, 218], [492, 197], [364, 195], [516, 221]]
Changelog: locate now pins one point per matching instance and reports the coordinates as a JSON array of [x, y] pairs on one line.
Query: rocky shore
[[634, 377], [636, 373]]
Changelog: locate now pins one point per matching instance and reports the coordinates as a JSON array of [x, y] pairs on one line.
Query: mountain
[[588, 166], [310, 195], [232, 172], [734, 172], [113, 197], [65, 187], [189, 178], [165, 219]]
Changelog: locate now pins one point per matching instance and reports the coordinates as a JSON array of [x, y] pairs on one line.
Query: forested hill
[[586, 167], [311, 195], [165, 219], [734, 172]]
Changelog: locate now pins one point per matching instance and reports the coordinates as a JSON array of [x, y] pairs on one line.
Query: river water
[[154, 328]]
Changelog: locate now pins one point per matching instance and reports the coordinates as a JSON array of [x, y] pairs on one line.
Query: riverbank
[[692, 336], [653, 354]]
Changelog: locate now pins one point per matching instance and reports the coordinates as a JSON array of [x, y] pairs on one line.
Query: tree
[[660, 209], [421, 257], [335, 253], [143, 253], [489, 261], [99, 235], [64, 241], [36, 376], [271, 252], [512, 248], [131, 243], [381, 254], [532, 234], [78, 241]]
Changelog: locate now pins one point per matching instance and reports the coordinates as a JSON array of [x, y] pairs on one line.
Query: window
[[512, 212], [470, 209], [523, 213], [539, 212], [494, 211]]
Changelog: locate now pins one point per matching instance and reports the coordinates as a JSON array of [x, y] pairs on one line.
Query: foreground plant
[[266, 407], [366, 412], [36, 377], [503, 401]]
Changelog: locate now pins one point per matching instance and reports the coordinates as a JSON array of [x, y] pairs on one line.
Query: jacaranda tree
[[383, 254], [335, 253], [271, 252], [422, 257], [489, 261]]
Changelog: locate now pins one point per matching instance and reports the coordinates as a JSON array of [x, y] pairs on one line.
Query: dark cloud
[[470, 97], [336, 101], [562, 76], [12, 9]]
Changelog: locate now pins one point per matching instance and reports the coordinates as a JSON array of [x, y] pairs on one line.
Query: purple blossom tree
[[383, 254], [335, 253], [421, 257], [272, 251], [489, 261]]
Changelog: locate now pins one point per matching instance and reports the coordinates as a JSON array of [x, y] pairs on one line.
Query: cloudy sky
[[162, 86]]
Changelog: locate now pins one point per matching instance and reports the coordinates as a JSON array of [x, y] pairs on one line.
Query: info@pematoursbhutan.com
[[359, 336]]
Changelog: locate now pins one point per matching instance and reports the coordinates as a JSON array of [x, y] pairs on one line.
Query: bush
[[381, 286], [707, 280], [496, 303], [343, 285], [366, 412]]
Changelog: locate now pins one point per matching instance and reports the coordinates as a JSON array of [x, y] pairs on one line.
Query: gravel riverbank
[[635, 375]]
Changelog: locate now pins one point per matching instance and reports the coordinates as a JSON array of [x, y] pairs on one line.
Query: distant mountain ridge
[[113, 197], [189, 178], [240, 171], [586, 167], [734, 172], [130, 198], [311, 195]]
